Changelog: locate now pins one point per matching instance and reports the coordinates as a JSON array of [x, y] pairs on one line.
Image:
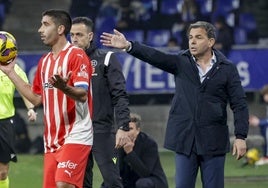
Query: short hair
[[209, 28], [135, 118], [264, 90], [60, 17], [84, 20]]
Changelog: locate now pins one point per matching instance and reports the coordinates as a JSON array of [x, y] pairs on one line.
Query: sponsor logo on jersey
[[47, 85], [67, 164], [68, 172], [83, 71]]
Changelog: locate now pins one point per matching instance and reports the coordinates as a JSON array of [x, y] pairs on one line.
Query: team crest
[[94, 63]]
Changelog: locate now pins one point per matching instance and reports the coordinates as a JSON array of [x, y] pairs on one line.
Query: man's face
[[199, 43], [133, 131], [81, 36], [49, 32]]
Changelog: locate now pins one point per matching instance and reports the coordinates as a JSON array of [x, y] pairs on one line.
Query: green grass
[[27, 173]]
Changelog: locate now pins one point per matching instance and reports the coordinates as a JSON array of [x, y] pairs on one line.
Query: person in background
[[62, 85], [225, 39], [205, 82], [4, 10], [139, 160], [110, 107], [22, 139], [172, 42], [87, 8], [7, 123], [262, 123]]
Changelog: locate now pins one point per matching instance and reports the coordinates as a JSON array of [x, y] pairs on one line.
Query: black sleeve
[[144, 164], [238, 103], [117, 87], [160, 59]]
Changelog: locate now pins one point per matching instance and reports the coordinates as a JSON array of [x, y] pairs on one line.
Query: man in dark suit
[[139, 161], [205, 82]]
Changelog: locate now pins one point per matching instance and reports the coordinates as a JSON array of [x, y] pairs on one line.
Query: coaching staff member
[[109, 99], [205, 82]]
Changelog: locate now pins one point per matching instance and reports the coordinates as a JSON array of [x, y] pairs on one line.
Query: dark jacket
[[198, 114], [109, 93], [142, 162]]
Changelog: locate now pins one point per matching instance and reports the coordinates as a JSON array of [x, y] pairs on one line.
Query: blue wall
[[142, 78]]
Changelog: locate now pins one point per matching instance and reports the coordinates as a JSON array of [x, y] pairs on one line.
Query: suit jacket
[[198, 115], [142, 162]]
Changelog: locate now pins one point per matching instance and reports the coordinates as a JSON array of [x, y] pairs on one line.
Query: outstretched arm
[[22, 87], [116, 40]]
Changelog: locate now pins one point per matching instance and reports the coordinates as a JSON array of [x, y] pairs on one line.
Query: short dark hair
[[135, 118], [60, 17], [84, 20], [210, 29]]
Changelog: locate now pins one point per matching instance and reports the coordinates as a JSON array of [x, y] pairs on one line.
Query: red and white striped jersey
[[66, 120]]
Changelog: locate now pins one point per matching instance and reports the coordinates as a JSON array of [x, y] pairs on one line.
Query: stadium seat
[[224, 7], [103, 24], [158, 38], [240, 35], [178, 36], [247, 21], [170, 6], [134, 35]]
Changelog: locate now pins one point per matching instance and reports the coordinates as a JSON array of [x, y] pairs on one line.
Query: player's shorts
[[7, 141], [66, 165]]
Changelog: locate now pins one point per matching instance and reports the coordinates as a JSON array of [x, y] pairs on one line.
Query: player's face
[[49, 31], [81, 36], [199, 43]]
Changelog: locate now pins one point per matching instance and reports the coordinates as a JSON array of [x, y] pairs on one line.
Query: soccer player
[[205, 82], [62, 85], [7, 127], [109, 98]]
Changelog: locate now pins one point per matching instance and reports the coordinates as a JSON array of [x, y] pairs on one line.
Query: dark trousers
[[145, 183], [264, 133], [211, 169], [105, 155]]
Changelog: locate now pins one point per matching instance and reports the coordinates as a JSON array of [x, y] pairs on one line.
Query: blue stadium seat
[[240, 35], [134, 35], [178, 35], [170, 6], [225, 5], [205, 6], [158, 38], [247, 21], [103, 24]]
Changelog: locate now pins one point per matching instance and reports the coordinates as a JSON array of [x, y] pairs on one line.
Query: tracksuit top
[[110, 100]]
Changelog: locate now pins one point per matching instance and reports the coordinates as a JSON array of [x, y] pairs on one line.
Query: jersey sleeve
[[37, 83], [81, 69]]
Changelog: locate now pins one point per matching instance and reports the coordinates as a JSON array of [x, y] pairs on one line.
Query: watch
[[124, 128]]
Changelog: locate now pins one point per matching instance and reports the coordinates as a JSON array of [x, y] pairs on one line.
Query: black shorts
[[7, 141]]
